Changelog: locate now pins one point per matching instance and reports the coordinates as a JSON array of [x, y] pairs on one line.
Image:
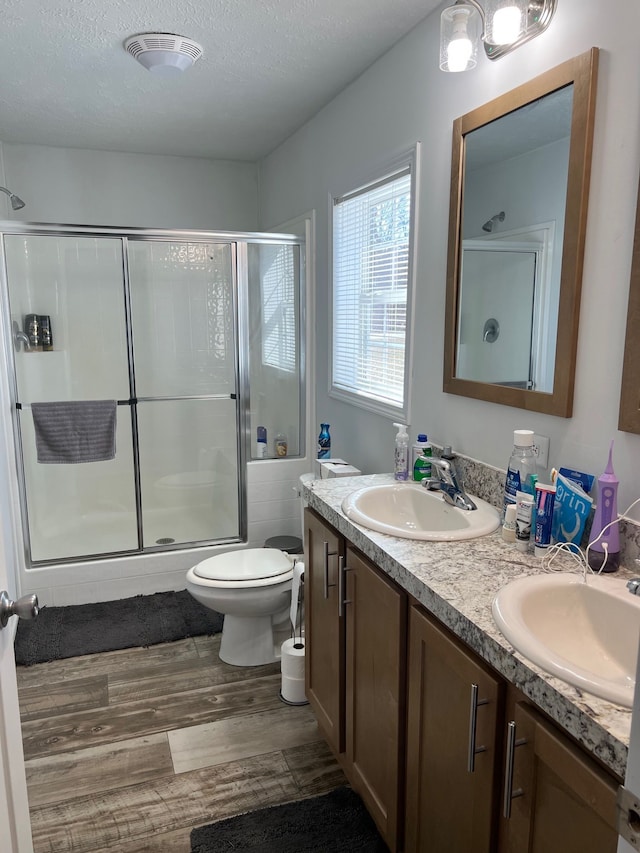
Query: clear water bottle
[[522, 466], [324, 442]]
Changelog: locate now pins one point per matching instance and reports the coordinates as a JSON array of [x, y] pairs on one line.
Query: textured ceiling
[[268, 66]]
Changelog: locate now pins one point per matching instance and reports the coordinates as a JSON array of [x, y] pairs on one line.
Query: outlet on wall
[[541, 449]]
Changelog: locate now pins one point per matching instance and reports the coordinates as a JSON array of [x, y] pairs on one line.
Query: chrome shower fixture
[[16, 201], [490, 224]]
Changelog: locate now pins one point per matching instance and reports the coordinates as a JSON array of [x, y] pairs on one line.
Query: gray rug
[[85, 629], [336, 822]]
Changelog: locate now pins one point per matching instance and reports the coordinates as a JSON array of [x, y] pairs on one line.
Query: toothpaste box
[[335, 468]]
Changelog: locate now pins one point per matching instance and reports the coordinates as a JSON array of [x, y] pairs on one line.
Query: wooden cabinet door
[[563, 801], [376, 656], [324, 629], [452, 792]]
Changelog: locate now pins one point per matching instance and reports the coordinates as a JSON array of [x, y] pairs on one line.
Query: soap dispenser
[[401, 467], [607, 547]]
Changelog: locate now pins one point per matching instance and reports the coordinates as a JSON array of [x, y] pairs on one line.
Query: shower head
[[16, 201], [490, 224]]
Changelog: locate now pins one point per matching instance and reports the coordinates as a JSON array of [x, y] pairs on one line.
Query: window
[[372, 247], [279, 287]]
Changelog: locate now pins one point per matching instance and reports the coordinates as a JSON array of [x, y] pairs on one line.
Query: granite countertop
[[457, 582]]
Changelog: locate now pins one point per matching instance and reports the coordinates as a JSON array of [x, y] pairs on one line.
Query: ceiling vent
[[164, 53]]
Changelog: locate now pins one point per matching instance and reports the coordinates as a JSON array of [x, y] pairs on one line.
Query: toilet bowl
[[252, 588]]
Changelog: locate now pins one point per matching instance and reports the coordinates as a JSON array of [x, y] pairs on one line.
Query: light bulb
[[459, 37], [458, 54], [507, 25]]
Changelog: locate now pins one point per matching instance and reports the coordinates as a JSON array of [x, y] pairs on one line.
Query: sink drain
[[166, 540]]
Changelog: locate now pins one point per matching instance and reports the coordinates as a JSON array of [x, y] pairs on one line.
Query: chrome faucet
[[447, 483], [634, 586]]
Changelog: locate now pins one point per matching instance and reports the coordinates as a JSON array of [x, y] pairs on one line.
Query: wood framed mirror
[[519, 194], [629, 420]]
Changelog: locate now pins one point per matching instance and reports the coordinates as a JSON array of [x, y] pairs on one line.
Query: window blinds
[[371, 231]]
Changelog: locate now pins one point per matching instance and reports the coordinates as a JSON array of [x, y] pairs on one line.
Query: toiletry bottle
[[422, 453], [47, 335], [324, 442], [261, 442], [606, 511], [401, 467], [509, 526], [33, 332], [522, 465], [280, 444]]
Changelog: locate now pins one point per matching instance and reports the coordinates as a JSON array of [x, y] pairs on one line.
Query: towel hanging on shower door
[[75, 431]]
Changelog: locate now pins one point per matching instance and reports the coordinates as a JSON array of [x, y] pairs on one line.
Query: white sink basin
[[584, 633], [408, 510]]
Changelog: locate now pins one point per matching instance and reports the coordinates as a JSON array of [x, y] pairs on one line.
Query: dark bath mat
[[84, 629], [331, 823]]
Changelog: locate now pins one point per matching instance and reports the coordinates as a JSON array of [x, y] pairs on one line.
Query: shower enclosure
[[195, 335]]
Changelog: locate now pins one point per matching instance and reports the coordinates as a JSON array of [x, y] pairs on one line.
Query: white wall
[[82, 187], [404, 97]]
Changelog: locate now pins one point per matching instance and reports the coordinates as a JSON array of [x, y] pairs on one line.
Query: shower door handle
[[25, 607]]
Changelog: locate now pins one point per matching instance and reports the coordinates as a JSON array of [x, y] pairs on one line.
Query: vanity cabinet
[[561, 800], [324, 629], [438, 745], [454, 710], [356, 654]]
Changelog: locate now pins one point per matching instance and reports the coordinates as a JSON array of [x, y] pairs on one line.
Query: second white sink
[[409, 511], [585, 633]]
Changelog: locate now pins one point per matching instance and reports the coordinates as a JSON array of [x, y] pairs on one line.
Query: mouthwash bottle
[[522, 467]]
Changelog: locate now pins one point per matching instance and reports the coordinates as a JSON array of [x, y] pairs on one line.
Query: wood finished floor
[[128, 751]]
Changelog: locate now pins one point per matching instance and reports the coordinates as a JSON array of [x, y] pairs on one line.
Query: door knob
[[25, 607]]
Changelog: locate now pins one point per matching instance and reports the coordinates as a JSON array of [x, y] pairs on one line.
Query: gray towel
[[78, 431]]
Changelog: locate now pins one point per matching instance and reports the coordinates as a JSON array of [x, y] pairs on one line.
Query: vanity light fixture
[[501, 25]]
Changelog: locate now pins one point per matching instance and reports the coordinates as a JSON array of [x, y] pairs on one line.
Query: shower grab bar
[[134, 400]]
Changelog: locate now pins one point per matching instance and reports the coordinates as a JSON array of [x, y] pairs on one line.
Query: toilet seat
[[252, 567]]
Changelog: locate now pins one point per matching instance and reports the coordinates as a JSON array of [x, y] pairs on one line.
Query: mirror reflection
[[519, 193], [514, 198], [630, 392]]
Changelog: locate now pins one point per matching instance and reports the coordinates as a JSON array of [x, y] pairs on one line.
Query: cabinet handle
[[342, 585], [509, 793], [325, 565], [473, 718]]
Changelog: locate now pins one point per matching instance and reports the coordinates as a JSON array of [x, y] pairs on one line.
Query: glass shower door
[[73, 510], [183, 321]]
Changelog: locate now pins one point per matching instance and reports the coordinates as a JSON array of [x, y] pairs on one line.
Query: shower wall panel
[[73, 509]]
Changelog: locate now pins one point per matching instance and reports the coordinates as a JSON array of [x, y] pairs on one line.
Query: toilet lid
[[250, 565]]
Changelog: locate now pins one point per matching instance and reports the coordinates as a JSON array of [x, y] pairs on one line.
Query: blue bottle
[[324, 442]]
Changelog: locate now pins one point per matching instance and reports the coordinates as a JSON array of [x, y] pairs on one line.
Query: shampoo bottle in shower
[[261, 442], [606, 547]]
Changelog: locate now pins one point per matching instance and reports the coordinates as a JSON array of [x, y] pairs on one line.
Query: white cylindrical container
[[292, 667]]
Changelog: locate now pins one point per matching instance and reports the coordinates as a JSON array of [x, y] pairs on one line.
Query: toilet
[[252, 588]]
